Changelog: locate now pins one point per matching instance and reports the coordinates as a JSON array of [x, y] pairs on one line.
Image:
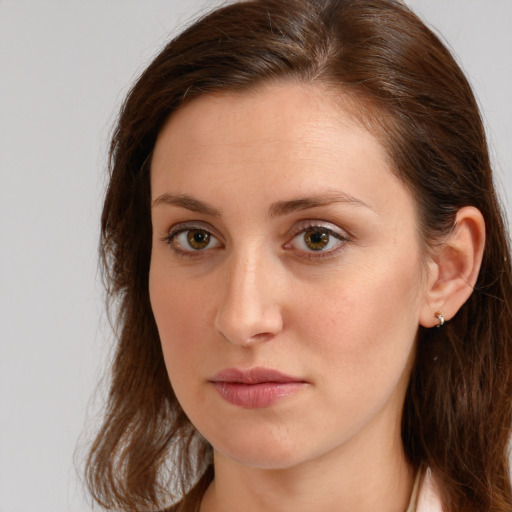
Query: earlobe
[[454, 267]]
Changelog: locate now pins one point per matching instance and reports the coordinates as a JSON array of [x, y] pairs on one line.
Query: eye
[[318, 239], [191, 239], [197, 239]]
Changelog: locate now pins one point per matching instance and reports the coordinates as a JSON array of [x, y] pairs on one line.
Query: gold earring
[[440, 317]]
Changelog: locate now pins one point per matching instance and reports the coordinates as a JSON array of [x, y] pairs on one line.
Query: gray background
[[64, 68]]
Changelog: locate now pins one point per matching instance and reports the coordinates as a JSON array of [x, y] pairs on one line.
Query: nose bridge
[[249, 309]]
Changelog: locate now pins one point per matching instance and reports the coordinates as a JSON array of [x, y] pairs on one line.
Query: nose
[[250, 309]]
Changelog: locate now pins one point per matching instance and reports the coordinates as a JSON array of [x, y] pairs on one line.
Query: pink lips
[[256, 387]]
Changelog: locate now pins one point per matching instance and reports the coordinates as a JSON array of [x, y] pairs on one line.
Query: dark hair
[[408, 89]]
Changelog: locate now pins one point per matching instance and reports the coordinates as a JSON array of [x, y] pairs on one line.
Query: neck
[[349, 479]]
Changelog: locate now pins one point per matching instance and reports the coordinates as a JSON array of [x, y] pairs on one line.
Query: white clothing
[[428, 498]]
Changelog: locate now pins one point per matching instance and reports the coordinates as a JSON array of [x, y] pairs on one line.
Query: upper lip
[[252, 376]]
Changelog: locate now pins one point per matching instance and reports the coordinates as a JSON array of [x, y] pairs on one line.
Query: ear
[[454, 267]]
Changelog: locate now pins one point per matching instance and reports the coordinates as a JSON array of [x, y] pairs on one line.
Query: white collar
[[428, 498]]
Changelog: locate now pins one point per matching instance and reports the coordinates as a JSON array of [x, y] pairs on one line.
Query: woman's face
[[286, 276]]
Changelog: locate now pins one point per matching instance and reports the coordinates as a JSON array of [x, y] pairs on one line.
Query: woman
[[311, 269]]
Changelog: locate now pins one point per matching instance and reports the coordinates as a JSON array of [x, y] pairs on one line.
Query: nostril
[[264, 336], [245, 331], [238, 339]]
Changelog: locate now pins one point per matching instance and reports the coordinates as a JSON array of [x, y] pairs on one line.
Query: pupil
[[316, 240], [198, 239]]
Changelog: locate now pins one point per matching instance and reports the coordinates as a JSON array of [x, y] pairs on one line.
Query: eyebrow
[[305, 203], [187, 202], [278, 209]]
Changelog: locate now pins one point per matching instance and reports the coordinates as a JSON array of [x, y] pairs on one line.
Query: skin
[[343, 319]]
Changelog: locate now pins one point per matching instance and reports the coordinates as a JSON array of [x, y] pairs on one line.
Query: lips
[[255, 387]]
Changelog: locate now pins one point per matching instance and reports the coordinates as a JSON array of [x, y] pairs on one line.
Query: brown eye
[[192, 240], [198, 239], [316, 240]]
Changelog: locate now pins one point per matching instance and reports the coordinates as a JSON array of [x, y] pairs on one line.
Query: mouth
[[255, 387]]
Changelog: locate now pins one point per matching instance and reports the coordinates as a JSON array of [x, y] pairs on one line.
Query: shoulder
[[428, 498]]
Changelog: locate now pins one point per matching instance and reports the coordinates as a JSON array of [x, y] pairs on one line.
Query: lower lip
[[254, 396]]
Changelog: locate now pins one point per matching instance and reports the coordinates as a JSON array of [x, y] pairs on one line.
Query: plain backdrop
[[64, 68]]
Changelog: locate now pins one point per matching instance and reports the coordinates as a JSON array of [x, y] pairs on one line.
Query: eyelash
[[320, 228], [171, 239]]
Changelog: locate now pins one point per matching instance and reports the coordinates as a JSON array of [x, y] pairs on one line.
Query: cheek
[[179, 318], [181, 336], [364, 323], [177, 300]]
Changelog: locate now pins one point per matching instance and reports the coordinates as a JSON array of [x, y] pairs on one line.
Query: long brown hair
[[410, 92]]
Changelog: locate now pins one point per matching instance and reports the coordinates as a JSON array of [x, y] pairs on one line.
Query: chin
[[263, 451]]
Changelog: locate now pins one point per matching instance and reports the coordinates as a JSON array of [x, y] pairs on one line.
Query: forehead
[[268, 116], [297, 138], [284, 110]]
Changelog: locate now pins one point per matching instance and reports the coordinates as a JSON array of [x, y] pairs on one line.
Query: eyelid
[[303, 225], [335, 231], [175, 230], [191, 224]]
